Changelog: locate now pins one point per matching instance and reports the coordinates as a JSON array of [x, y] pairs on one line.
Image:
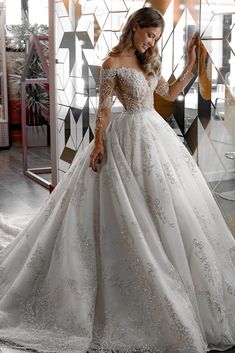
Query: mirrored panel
[[28, 71]]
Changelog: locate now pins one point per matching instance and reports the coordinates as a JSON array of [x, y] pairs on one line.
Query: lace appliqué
[[131, 87], [162, 87], [107, 85], [184, 75]]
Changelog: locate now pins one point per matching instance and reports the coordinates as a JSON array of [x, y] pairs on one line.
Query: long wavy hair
[[144, 17]]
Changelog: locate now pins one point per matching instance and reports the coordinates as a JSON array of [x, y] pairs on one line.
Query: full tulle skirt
[[134, 258]]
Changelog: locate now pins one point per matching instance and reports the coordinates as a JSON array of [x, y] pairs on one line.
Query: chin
[[142, 50]]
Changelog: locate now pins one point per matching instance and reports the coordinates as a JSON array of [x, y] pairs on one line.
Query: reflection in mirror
[[219, 38], [38, 129], [202, 116], [35, 110], [227, 6], [216, 145], [28, 63], [180, 38], [221, 56], [218, 139], [169, 22], [191, 106], [184, 31]]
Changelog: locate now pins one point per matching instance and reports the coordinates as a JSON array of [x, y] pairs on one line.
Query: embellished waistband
[[134, 114], [132, 111]]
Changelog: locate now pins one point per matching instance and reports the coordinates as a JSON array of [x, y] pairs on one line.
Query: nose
[[151, 42]]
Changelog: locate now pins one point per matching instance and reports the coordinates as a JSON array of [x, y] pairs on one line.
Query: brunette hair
[[144, 17]]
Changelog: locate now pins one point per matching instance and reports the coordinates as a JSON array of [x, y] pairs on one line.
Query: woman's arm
[[171, 91], [107, 84]]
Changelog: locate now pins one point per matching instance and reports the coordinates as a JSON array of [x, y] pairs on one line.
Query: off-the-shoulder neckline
[[126, 68], [122, 68]]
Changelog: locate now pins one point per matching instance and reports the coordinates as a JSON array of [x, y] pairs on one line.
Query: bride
[[132, 254]]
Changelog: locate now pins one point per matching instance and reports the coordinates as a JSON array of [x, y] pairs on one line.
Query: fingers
[[99, 158], [193, 42], [192, 45], [93, 163], [95, 159]]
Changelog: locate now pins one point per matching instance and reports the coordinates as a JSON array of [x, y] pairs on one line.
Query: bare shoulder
[[111, 62]]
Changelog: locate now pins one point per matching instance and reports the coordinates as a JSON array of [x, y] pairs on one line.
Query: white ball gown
[[134, 258]]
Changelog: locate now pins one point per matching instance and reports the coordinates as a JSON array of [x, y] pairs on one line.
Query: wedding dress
[[134, 258]]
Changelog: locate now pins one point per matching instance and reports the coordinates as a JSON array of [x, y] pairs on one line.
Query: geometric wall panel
[[217, 23], [85, 32]]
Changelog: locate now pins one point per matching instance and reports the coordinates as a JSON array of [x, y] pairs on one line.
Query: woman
[[136, 257]]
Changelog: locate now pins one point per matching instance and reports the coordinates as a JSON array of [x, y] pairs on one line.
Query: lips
[[145, 46]]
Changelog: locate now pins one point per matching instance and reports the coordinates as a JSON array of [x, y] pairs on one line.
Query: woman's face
[[145, 37]]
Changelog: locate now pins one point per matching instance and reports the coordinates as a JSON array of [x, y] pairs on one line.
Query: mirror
[[216, 142], [28, 70]]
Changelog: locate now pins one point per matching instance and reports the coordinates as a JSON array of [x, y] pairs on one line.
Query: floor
[[227, 207], [8, 350], [20, 195]]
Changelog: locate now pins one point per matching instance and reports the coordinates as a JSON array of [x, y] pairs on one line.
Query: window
[[13, 12], [38, 12]]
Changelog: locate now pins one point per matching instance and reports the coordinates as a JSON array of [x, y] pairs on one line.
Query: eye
[[152, 36]]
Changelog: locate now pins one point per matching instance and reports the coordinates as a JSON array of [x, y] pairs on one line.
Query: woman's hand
[[191, 51], [96, 156], [203, 55]]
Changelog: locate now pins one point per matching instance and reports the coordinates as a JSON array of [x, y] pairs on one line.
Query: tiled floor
[[20, 195]]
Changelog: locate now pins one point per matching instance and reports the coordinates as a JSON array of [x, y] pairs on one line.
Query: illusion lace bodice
[[131, 87]]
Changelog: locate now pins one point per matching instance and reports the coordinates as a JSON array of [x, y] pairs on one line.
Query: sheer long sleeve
[[106, 90], [170, 91]]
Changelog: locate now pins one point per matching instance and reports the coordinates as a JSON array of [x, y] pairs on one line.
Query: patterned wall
[[85, 32], [217, 136], [87, 29]]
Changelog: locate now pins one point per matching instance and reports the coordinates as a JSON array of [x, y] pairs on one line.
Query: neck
[[129, 53]]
